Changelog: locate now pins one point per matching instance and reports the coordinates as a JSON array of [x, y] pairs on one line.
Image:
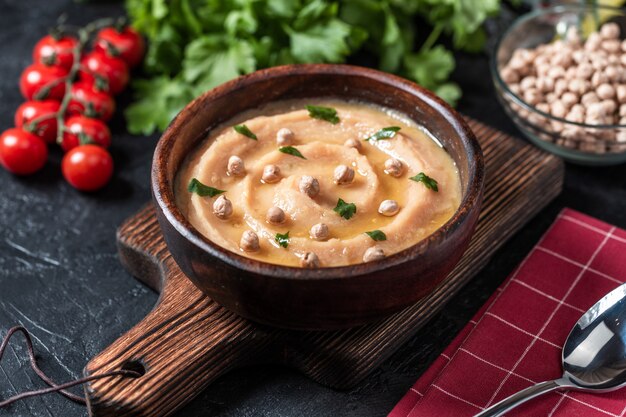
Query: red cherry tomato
[[125, 44], [40, 82], [21, 152], [113, 70], [51, 51], [81, 130], [87, 167], [43, 113], [88, 100]]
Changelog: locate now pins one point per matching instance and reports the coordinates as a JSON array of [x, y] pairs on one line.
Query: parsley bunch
[[195, 45]]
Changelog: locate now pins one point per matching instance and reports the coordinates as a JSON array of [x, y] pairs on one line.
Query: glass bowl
[[578, 142]]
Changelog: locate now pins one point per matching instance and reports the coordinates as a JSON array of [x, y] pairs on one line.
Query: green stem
[[432, 38], [83, 38]]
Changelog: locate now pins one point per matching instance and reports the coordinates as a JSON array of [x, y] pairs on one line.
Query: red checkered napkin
[[515, 340]]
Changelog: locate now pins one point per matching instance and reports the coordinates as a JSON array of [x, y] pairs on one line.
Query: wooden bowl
[[325, 298]]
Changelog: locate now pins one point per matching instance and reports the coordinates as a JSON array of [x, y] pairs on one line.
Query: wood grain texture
[[187, 341]]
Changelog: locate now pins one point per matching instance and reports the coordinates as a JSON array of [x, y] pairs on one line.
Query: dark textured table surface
[[60, 277]]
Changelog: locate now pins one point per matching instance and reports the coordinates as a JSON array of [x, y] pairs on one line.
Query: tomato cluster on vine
[[70, 97]]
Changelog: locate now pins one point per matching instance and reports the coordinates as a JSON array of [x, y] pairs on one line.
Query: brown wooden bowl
[[324, 298]]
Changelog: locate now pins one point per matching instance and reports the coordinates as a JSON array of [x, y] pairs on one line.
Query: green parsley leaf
[[322, 42], [323, 113], [212, 60], [202, 190], [377, 235], [282, 240], [194, 45], [244, 130], [158, 100], [426, 180], [345, 210], [290, 150], [384, 133]]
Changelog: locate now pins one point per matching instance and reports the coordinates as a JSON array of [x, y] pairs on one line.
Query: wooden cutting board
[[188, 340]]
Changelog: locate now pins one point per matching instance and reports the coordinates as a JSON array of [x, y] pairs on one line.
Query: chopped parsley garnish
[[385, 133], [244, 130], [202, 190], [345, 210], [426, 180], [290, 150], [377, 235], [323, 113], [282, 240]]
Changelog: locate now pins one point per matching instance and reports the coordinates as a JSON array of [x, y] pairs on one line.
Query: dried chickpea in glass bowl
[[560, 74]]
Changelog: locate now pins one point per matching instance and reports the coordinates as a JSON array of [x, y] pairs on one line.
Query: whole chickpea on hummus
[[318, 183]]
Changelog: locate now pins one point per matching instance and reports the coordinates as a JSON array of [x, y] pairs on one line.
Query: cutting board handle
[[179, 349]]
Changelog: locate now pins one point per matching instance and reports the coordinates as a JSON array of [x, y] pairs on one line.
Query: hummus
[[299, 189]]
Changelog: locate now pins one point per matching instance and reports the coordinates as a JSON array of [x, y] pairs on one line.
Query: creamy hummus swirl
[[422, 210]]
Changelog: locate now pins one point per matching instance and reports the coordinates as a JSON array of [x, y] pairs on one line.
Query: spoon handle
[[519, 398]]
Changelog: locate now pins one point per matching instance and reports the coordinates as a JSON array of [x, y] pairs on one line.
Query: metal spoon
[[594, 355]]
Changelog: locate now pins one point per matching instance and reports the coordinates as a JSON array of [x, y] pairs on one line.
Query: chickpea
[[222, 208], [558, 109], [609, 106], [556, 72], [354, 143], [572, 36], [532, 96], [584, 71], [249, 241], [551, 98], [596, 111], [613, 73], [309, 186], [275, 215], [593, 42], [389, 208], [310, 260], [373, 254], [528, 82], [343, 175], [560, 86], [545, 84], [394, 167], [605, 91], [610, 31], [561, 59], [284, 137], [569, 99], [620, 91], [236, 167], [599, 78], [589, 98], [543, 107], [271, 174], [610, 45], [509, 76], [578, 86], [319, 232]]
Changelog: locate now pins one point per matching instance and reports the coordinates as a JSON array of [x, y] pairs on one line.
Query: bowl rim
[[163, 190], [495, 71]]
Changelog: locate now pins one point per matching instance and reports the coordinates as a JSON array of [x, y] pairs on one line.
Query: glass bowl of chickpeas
[[560, 74]]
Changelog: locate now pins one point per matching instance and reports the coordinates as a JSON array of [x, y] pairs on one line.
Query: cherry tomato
[[87, 167], [125, 44], [43, 114], [113, 70], [55, 51], [88, 100], [21, 152], [40, 82], [81, 130]]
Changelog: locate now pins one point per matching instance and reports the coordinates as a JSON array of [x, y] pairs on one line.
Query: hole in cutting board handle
[[135, 365]]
